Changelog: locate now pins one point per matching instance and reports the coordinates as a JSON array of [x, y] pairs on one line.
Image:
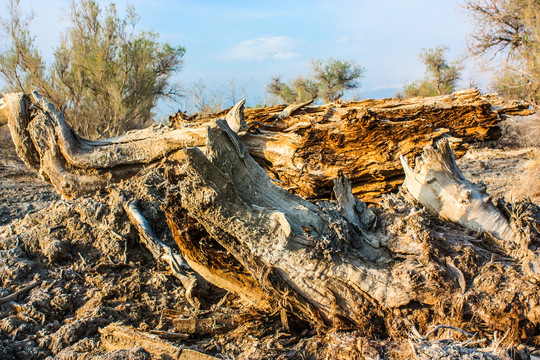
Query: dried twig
[[435, 329], [115, 337], [16, 294]]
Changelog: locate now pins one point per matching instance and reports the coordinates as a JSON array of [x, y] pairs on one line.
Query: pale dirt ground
[[506, 172]]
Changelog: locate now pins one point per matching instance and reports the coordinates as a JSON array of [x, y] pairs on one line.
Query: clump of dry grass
[[522, 130], [529, 184]]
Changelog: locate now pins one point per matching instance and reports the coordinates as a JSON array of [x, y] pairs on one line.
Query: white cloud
[[275, 47], [286, 55], [351, 39]]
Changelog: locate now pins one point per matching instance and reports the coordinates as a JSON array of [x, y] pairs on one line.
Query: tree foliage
[[336, 76], [509, 31], [299, 90], [105, 75], [424, 87], [441, 76], [328, 81]]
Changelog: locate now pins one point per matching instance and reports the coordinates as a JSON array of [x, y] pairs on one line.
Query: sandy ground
[[506, 172], [21, 193]]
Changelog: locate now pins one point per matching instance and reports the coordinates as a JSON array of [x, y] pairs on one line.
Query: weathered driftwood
[[215, 322], [284, 242], [304, 148], [338, 263], [329, 257], [438, 184], [117, 337]]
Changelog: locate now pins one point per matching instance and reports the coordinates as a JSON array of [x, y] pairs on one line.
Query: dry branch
[[116, 337], [162, 252], [215, 323], [16, 294]]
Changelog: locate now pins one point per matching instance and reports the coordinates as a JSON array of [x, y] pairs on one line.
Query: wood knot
[[336, 138]]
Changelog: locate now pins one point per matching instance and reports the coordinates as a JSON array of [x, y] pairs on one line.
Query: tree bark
[[306, 147]]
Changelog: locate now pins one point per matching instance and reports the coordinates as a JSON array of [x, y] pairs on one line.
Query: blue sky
[[248, 42]]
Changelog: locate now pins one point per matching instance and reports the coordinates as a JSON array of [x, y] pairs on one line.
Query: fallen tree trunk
[[331, 257], [307, 147], [331, 263], [304, 148]]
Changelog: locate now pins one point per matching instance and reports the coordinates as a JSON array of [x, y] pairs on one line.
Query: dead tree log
[[304, 148], [332, 257], [307, 147], [332, 263]]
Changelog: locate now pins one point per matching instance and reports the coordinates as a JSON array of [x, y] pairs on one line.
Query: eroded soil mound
[[88, 270]]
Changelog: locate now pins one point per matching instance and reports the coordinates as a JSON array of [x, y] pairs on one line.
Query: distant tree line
[[507, 33]]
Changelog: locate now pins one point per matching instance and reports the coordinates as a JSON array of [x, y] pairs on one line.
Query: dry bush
[[106, 75], [522, 131], [529, 184]]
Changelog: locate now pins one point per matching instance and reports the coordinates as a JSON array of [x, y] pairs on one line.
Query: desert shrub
[[521, 131], [106, 76], [528, 185], [328, 81], [441, 75]]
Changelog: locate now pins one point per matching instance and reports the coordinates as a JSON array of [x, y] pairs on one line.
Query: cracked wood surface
[[306, 147]]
